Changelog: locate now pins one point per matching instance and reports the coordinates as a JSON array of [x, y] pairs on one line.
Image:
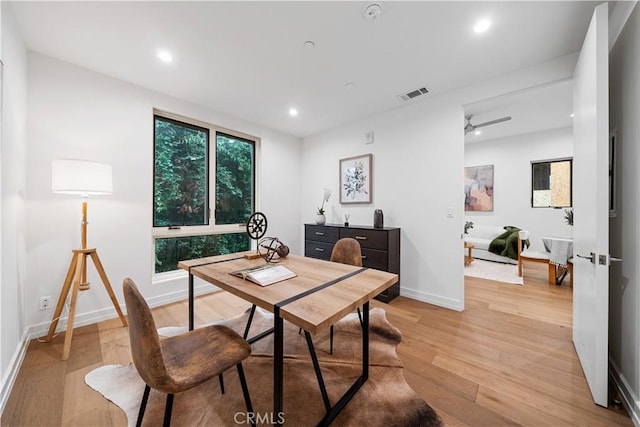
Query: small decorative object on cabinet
[[378, 218], [320, 218], [380, 248]]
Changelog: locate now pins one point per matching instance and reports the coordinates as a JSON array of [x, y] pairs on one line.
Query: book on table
[[265, 274]]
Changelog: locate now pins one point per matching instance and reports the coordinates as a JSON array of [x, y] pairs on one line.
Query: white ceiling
[[247, 58], [532, 110]]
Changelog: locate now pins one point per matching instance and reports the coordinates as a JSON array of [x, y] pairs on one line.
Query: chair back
[[146, 350], [347, 251]]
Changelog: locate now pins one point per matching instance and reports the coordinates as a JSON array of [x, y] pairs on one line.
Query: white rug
[[497, 271]]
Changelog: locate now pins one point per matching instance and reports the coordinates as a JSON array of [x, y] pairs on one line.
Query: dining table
[[321, 293]]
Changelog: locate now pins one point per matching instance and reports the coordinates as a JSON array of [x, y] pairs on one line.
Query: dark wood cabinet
[[380, 248]]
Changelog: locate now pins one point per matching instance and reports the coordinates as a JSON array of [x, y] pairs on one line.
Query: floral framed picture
[[355, 179]]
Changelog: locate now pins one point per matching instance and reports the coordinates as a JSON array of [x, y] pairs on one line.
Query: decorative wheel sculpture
[[257, 225], [269, 247]]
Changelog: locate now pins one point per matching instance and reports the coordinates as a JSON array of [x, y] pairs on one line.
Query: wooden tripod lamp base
[[83, 178], [76, 275]]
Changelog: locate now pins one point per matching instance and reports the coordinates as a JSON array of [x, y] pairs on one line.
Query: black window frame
[[533, 181]]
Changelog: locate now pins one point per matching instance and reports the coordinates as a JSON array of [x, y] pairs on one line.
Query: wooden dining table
[[322, 293]]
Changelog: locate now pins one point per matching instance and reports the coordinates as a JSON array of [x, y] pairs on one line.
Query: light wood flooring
[[506, 360]]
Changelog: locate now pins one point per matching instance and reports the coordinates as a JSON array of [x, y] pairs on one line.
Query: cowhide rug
[[384, 400]]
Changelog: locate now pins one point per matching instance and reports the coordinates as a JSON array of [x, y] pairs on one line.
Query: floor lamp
[[81, 178]]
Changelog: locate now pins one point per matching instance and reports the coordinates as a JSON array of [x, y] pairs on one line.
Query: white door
[[591, 206]]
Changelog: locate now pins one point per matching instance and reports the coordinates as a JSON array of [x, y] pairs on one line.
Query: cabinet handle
[[361, 238], [319, 249], [319, 233], [363, 257]]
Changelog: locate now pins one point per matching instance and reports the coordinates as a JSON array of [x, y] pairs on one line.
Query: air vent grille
[[414, 94]]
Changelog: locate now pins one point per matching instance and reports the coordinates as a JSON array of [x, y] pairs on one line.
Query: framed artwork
[[355, 179], [478, 188]]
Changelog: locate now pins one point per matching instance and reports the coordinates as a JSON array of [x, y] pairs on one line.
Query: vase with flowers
[[320, 218]]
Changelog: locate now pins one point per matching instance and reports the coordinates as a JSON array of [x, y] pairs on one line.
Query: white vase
[[320, 219]]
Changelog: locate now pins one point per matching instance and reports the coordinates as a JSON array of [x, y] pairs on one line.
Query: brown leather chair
[[347, 251], [178, 363]]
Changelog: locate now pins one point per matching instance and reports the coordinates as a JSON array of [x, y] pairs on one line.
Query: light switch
[[449, 212]]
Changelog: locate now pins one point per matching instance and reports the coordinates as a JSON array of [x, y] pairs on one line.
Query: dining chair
[[525, 254], [346, 251], [176, 364]]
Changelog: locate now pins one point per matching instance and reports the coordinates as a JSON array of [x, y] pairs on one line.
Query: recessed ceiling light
[[482, 26], [572, 115], [293, 112], [478, 132], [165, 56], [308, 44]]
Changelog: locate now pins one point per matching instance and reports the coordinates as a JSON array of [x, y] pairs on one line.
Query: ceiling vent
[[414, 94]]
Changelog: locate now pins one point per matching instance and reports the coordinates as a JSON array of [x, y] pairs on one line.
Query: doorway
[[510, 134]]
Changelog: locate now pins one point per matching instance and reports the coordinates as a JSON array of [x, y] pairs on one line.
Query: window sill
[[169, 276]]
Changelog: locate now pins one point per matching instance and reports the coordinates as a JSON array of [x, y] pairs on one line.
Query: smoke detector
[[372, 12]]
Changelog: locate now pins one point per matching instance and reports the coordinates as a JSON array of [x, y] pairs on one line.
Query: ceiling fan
[[468, 127]]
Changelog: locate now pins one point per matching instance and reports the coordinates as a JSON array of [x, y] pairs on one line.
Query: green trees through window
[[234, 179], [183, 189], [180, 185]]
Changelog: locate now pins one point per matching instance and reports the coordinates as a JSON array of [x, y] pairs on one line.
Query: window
[[551, 185], [203, 190]]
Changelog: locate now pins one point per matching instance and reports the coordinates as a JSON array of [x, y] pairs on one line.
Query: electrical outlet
[[45, 303]]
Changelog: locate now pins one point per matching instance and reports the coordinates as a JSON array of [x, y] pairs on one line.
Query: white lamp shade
[[81, 177]]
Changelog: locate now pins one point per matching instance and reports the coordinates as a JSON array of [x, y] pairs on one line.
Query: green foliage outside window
[[180, 186], [173, 249], [234, 179]]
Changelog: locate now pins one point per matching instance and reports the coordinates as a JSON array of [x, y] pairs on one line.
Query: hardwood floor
[[506, 360]]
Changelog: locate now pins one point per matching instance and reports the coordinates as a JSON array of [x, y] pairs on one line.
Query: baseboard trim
[[88, 318], [10, 376], [629, 399], [432, 299], [39, 330]]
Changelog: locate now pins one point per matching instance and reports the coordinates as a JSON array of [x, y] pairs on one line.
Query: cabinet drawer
[[371, 239], [319, 250], [319, 233], [375, 259]]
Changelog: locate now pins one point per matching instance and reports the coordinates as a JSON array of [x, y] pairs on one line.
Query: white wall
[[418, 175], [77, 113], [512, 158], [624, 295], [12, 176]]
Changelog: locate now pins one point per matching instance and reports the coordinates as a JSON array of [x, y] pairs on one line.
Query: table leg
[[340, 404], [365, 342], [191, 314], [278, 366]]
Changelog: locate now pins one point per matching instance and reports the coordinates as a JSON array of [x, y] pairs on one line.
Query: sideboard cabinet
[[380, 248]]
